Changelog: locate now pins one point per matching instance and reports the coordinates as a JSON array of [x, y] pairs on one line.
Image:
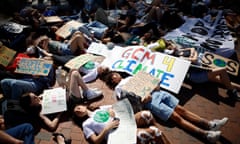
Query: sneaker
[[213, 136], [217, 124], [233, 94], [91, 94]]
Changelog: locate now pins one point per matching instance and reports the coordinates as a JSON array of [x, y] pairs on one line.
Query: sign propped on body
[[141, 84], [53, 19], [67, 28], [54, 100], [6, 55], [79, 61], [34, 66], [217, 61]]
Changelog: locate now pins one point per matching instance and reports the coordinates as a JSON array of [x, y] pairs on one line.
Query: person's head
[[80, 113], [31, 103], [102, 71], [112, 79]]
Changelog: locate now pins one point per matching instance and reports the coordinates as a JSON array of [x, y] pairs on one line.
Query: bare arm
[[8, 139], [97, 139], [51, 124]]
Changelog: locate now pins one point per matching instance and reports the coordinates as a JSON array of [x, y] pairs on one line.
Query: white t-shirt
[[96, 122], [118, 88]]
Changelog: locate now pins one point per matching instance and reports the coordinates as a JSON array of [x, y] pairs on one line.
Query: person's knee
[[75, 74], [28, 127]]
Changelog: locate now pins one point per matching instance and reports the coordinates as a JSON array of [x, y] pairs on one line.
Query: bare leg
[[221, 76], [75, 82], [77, 42], [187, 125], [188, 115]]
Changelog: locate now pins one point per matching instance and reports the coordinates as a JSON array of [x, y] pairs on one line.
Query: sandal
[[67, 141]]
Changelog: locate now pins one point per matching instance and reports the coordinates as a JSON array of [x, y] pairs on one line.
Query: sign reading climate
[[170, 70]]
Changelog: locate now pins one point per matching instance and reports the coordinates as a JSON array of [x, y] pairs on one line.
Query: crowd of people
[[111, 22]]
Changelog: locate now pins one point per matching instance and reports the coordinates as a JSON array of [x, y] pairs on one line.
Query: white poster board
[[127, 130], [207, 34], [54, 100], [170, 70], [98, 49]]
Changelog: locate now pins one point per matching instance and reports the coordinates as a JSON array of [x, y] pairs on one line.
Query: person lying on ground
[[165, 106], [147, 128]]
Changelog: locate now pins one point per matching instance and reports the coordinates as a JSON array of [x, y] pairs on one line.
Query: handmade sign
[[141, 84], [54, 100], [127, 129], [6, 55], [133, 59], [34, 66], [216, 61], [53, 19], [80, 60], [206, 34], [98, 49], [67, 29]]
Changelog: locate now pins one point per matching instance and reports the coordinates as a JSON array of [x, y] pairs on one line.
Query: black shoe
[[67, 141], [233, 94]]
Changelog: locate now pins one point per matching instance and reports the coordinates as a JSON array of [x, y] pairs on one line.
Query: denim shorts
[[64, 49], [162, 104]]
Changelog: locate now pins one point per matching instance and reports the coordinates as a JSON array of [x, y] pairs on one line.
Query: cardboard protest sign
[[127, 129], [53, 19], [141, 84], [80, 60], [54, 100], [6, 55], [34, 66], [67, 28], [133, 59], [217, 61]]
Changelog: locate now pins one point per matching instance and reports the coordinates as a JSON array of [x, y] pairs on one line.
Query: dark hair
[[25, 103], [78, 121], [108, 80]]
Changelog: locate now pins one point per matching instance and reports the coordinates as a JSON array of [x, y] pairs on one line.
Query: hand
[[157, 88], [113, 124], [146, 98]]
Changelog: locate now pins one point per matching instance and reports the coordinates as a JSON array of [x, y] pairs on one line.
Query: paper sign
[[6, 55], [132, 59], [54, 100], [67, 29], [127, 129], [217, 61], [34, 66], [141, 84], [53, 19], [78, 61]]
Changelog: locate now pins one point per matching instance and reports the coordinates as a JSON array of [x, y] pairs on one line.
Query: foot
[[59, 138], [217, 124], [233, 94], [92, 94], [213, 136]]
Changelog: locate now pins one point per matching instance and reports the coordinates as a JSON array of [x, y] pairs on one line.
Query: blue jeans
[[23, 132], [15, 88]]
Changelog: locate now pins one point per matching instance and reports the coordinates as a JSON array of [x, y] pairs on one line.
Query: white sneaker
[[217, 124], [92, 94], [213, 136]]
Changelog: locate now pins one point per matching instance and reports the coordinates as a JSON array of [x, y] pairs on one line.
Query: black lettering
[[231, 65], [199, 30], [208, 57]]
